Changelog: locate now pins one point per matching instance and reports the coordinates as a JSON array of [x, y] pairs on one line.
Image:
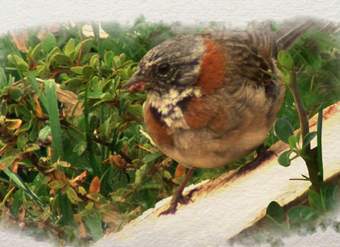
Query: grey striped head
[[173, 63]]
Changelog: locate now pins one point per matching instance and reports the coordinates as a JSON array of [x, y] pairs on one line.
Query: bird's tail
[[318, 51], [276, 36], [289, 31]]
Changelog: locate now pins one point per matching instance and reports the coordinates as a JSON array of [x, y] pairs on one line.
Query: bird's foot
[[176, 200], [178, 197], [263, 153]]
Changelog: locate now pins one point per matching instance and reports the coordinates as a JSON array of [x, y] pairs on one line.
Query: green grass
[[53, 120]]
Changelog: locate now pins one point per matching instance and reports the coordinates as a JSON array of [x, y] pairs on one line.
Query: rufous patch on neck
[[157, 129], [212, 70]]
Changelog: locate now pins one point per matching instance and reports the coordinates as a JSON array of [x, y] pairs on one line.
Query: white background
[[18, 14], [24, 13]]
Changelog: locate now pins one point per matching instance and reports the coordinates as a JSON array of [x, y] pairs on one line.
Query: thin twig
[[304, 125], [307, 153]]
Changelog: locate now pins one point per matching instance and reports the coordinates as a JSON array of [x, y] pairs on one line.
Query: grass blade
[[36, 88], [3, 78], [89, 141], [20, 184], [53, 115]]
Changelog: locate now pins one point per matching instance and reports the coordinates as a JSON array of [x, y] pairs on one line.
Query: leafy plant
[[73, 157], [311, 66]]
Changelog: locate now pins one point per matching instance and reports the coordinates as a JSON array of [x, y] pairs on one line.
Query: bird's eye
[[163, 69]]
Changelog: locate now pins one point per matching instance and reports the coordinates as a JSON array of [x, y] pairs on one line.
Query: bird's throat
[[169, 106]]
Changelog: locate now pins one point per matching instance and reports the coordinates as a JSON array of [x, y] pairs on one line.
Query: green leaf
[[88, 71], [301, 214], [139, 175], [152, 186], [293, 141], [53, 116], [30, 148], [48, 43], [50, 56], [35, 53], [80, 147], [77, 69], [283, 129], [72, 195], [315, 201], [82, 48], [285, 60], [108, 58], [44, 133], [167, 175], [93, 223], [56, 184], [22, 141], [313, 60], [15, 94], [284, 159], [18, 62], [43, 70], [135, 110], [74, 83], [117, 61], [18, 199], [328, 193], [151, 157], [70, 47], [275, 212], [66, 212], [60, 60], [94, 61]]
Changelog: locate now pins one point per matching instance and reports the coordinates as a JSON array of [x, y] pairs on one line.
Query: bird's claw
[[176, 200]]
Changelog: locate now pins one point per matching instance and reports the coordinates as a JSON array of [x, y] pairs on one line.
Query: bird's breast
[[202, 148]]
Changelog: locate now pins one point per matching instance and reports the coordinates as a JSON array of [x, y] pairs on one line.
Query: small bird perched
[[212, 98]]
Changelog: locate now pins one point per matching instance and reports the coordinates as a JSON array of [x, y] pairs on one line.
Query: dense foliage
[[74, 156], [75, 160]]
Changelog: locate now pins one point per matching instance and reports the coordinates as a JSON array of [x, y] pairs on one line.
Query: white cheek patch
[[167, 106]]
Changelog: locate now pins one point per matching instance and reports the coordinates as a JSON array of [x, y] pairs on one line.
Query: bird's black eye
[[163, 69]]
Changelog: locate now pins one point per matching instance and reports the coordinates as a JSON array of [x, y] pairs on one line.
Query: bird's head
[[176, 72], [177, 64]]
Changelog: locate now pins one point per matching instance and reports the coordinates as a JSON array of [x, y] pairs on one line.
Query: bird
[[213, 97]]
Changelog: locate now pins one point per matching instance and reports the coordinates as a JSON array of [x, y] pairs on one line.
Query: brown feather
[[157, 129], [198, 113], [212, 67]]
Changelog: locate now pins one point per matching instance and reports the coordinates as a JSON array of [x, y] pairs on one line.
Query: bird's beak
[[135, 84]]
